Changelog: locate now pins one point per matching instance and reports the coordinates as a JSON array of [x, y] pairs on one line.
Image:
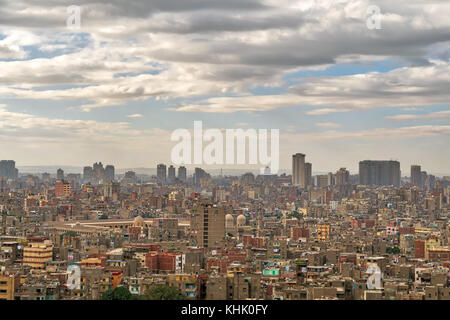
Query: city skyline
[[404, 169]]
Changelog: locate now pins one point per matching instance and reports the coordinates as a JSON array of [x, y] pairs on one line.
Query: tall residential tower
[[379, 173], [298, 170]]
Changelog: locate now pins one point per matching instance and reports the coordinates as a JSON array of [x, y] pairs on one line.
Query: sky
[[114, 89]]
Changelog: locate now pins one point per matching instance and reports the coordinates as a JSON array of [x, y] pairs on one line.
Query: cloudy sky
[[115, 89]]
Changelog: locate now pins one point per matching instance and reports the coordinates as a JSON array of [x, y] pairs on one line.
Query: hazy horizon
[[190, 169]]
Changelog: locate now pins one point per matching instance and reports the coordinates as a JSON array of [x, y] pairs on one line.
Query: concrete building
[[87, 174], [171, 174], [298, 170], [182, 176], [308, 174], [37, 254], [8, 169], [60, 174], [416, 176], [208, 224], [62, 189], [111, 190], [200, 175], [342, 177], [379, 173], [109, 173], [8, 285], [161, 173]]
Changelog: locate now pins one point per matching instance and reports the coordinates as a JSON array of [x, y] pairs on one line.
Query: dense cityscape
[[98, 235]]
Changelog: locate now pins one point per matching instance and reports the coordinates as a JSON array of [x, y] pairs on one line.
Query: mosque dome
[[241, 220], [229, 220], [138, 222]]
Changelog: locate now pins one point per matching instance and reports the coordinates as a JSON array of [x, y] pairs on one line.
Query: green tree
[[294, 214], [119, 293], [396, 250], [107, 295], [163, 292]]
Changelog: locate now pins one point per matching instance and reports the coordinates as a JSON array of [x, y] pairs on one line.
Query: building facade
[[379, 173], [298, 170]]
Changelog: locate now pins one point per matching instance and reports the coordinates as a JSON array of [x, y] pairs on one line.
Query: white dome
[[241, 220], [229, 220], [138, 222], [229, 217]]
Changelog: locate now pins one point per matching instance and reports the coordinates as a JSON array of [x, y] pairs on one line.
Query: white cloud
[[328, 125], [225, 48], [381, 134], [85, 140], [136, 115], [419, 86], [433, 115], [11, 52]]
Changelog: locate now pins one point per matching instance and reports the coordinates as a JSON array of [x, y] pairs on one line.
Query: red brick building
[[298, 232], [62, 189], [406, 230], [164, 261], [226, 258], [438, 254], [363, 223], [253, 242], [419, 249]]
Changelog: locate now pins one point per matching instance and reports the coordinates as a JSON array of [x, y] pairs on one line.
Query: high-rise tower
[[416, 176], [208, 224], [379, 173], [298, 170], [161, 172]]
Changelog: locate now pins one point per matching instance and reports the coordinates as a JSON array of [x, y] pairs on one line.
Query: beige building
[[8, 284], [298, 170], [37, 254], [208, 226]]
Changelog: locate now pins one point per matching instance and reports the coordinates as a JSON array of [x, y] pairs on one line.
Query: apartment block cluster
[[374, 235]]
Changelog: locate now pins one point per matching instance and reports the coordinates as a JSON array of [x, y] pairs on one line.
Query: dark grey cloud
[[14, 12], [210, 46]]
